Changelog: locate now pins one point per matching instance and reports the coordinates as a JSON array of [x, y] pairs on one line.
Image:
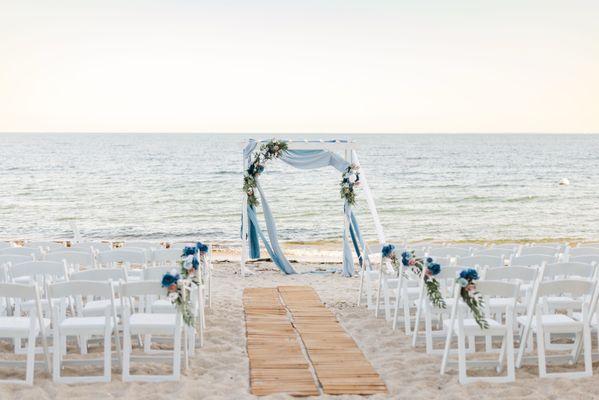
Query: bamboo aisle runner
[[340, 365], [277, 363]]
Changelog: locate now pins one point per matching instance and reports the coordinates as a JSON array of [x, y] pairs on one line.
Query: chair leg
[[428, 332], [147, 343], [511, 370], [126, 353], [396, 311], [463, 376], [177, 355], [56, 355], [107, 355], [30, 357], [540, 336], [406, 312], [588, 348]]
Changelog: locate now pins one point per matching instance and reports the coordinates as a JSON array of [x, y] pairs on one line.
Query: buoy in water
[[564, 182]]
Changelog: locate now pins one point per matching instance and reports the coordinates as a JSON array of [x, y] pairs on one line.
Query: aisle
[[277, 362]]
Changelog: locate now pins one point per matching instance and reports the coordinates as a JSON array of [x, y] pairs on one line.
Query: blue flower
[[169, 279], [388, 249], [195, 263], [203, 248], [469, 274], [429, 260], [189, 251], [434, 268]]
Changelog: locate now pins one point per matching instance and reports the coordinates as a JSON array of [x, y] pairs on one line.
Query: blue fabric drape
[[302, 159]]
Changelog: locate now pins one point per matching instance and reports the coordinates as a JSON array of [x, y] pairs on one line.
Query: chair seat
[[563, 302], [163, 323], [471, 327], [18, 326], [554, 323], [82, 325], [97, 308], [163, 306]]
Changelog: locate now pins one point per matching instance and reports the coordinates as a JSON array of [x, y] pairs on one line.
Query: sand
[[220, 369]]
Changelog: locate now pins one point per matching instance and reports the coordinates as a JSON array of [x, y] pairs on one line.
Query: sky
[[326, 66]]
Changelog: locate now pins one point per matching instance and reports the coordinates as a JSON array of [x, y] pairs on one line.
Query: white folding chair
[[125, 257], [5, 245], [42, 272], [532, 260], [482, 261], [540, 323], [582, 251], [144, 322], [91, 247], [46, 246], [496, 252], [545, 250], [449, 252], [36, 253], [148, 247], [77, 325], [467, 327], [18, 327], [588, 259], [75, 260]]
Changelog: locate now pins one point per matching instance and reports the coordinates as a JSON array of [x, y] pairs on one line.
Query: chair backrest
[[502, 253], [511, 247], [532, 260], [448, 252], [18, 291], [80, 288], [588, 259], [155, 273], [14, 259], [568, 269], [141, 245], [583, 251], [24, 251], [570, 287], [546, 250], [511, 274], [100, 274], [482, 261], [91, 246], [142, 288], [5, 245], [46, 245], [164, 256], [39, 268], [81, 258], [492, 288], [131, 256]]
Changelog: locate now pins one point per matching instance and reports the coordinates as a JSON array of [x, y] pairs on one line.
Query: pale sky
[[299, 66]]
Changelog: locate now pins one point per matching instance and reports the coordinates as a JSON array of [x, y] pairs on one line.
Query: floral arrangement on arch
[[274, 149], [471, 297], [179, 283], [426, 269], [349, 180], [268, 151]]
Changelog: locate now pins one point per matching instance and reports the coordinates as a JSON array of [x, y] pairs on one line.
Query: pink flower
[[412, 261]]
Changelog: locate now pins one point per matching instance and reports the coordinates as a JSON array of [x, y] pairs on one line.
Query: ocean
[[188, 186]]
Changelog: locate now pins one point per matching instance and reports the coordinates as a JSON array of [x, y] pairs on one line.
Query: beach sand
[[220, 369]]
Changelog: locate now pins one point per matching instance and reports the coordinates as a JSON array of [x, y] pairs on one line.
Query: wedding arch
[[306, 154]]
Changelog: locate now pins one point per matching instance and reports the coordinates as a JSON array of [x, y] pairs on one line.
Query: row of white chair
[[407, 295], [134, 315]]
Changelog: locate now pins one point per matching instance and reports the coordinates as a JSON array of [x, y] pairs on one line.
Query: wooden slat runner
[[339, 364], [277, 363]]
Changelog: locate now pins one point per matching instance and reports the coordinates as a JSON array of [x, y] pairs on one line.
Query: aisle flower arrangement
[[268, 151], [419, 266], [471, 297], [178, 289], [350, 180], [179, 283]]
